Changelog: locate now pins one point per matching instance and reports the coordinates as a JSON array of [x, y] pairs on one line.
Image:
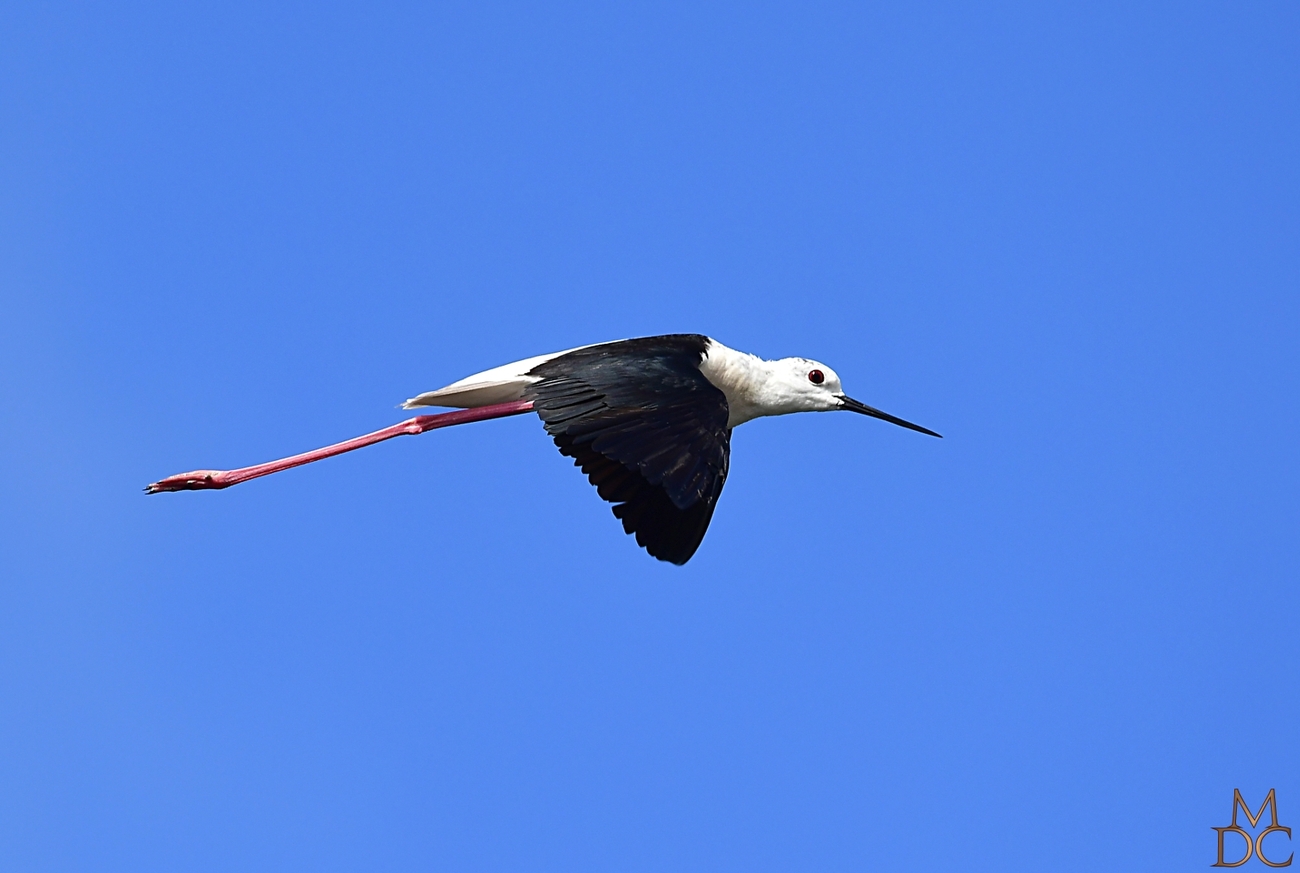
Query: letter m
[[1270, 802]]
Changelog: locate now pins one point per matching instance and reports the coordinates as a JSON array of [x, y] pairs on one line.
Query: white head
[[802, 385]]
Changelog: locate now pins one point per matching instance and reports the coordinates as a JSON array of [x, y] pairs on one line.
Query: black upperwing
[[648, 429]]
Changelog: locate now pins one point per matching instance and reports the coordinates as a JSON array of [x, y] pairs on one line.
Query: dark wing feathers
[[648, 429]]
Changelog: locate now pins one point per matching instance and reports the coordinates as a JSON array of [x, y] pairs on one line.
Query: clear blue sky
[[1066, 237]]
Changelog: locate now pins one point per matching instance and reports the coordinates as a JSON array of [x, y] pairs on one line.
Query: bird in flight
[[648, 420]]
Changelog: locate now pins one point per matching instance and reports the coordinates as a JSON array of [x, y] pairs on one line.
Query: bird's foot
[[198, 480]]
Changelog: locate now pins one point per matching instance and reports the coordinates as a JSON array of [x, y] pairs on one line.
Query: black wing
[[648, 429]]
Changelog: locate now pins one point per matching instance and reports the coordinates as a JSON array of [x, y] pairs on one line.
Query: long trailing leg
[[202, 480]]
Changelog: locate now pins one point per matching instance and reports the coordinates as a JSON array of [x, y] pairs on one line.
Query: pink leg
[[204, 479]]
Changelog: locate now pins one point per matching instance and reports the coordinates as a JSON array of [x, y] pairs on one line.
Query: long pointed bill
[[202, 480], [854, 406]]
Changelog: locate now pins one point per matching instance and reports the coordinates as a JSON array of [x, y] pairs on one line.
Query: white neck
[[746, 380]]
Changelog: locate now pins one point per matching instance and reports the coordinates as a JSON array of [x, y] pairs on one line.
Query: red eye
[[816, 377]]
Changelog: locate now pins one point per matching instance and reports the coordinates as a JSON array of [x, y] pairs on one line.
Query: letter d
[[1250, 846]]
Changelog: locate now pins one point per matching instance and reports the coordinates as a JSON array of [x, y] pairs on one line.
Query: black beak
[[854, 406]]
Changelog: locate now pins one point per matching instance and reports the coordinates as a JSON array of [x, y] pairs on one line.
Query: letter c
[[1259, 846]]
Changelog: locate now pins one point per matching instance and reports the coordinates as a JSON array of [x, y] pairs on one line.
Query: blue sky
[[1065, 236]]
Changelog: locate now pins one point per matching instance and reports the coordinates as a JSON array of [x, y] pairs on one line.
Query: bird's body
[[648, 420], [744, 379]]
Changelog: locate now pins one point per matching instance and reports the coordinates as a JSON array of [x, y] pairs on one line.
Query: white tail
[[498, 385]]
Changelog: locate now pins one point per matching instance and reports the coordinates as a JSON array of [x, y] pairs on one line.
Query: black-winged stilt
[[648, 420]]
